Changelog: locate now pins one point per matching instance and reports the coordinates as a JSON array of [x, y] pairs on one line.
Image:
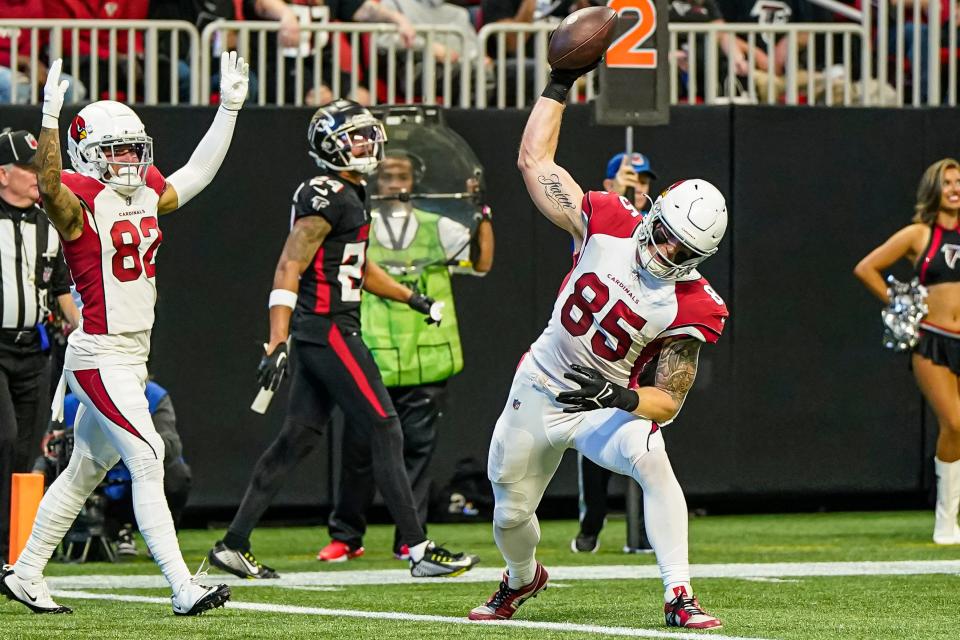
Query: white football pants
[[112, 423], [528, 442]]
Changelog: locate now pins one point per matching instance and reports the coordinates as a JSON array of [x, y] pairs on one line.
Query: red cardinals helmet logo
[[78, 129]]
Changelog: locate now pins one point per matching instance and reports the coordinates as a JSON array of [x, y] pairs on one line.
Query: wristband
[[282, 297], [49, 122], [556, 91]]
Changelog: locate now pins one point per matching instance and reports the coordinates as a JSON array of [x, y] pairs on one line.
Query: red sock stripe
[[343, 352], [92, 385]]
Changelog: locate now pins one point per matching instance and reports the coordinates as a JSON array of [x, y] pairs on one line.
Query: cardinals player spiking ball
[[614, 364]]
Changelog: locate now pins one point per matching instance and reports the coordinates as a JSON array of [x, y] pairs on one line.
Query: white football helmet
[[95, 135], [691, 216]]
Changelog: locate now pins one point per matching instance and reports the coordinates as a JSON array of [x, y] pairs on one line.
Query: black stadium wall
[[798, 397]]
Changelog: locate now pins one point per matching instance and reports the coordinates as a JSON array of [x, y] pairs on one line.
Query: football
[[582, 37]]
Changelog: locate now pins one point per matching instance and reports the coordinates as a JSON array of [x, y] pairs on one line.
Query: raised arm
[[906, 243], [193, 177], [555, 193], [62, 206]]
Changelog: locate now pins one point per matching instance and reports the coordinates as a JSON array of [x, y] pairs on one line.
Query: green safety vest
[[407, 350]]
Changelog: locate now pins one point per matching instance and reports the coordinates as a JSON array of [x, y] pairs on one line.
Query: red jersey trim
[[353, 367], [83, 257], [697, 308], [155, 180], [608, 216], [934, 246], [91, 382], [322, 304]]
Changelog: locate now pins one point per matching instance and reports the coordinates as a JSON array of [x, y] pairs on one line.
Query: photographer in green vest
[[421, 250]]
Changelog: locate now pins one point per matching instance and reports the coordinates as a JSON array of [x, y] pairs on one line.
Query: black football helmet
[[345, 136]]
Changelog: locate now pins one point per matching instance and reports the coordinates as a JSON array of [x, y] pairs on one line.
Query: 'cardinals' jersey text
[[113, 261]]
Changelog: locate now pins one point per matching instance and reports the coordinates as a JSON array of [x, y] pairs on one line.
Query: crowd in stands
[[18, 80]]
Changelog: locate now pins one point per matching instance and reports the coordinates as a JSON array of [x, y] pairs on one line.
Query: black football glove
[[567, 77], [427, 306], [596, 392], [561, 80], [272, 367]]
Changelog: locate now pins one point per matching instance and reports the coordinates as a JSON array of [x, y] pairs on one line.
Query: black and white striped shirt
[[32, 268]]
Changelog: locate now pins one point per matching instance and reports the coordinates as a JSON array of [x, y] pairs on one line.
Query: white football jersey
[[113, 262], [613, 316]]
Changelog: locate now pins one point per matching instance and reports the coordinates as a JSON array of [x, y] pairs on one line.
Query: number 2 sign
[[628, 50]]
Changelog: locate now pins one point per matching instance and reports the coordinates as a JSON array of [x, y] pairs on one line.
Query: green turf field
[[903, 588]]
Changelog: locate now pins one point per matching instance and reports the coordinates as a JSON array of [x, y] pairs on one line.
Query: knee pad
[[510, 516], [653, 469], [145, 469], [512, 508]]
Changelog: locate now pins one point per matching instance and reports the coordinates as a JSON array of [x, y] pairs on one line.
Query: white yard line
[[413, 617], [491, 574]]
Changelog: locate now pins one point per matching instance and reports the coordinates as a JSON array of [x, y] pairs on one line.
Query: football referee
[[31, 271]]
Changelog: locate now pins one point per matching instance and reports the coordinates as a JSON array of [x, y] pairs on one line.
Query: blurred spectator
[[290, 16], [446, 49], [438, 12], [911, 32], [523, 11], [129, 55], [703, 12], [200, 13], [771, 54], [26, 10]]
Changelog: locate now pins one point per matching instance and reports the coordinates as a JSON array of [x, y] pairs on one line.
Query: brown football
[[582, 37]]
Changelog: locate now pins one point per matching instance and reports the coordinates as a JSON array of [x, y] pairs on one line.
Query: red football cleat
[[505, 601], [685, 611], [338, 551]]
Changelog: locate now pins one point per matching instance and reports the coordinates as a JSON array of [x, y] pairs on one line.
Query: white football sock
[[519, 546], [417, 551], [58, 509], [665, 517], [945, 528], [154, 520]]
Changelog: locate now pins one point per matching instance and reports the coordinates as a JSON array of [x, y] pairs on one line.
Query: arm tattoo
[[59, 203], [677, 368], [553, 189], [305, 238]]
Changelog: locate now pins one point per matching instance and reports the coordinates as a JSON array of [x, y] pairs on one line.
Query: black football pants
[[24, 409], [339, 372], [419, 408]]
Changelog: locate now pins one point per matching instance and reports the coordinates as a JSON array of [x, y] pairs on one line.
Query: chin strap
[[203, 165]]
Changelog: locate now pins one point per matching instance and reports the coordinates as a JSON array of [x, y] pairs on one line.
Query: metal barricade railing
[[889, 56], [138, 79], [817, 73], [445, 80]]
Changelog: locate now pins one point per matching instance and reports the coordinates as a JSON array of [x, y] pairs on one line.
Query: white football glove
[[234, 79], [53, 92]]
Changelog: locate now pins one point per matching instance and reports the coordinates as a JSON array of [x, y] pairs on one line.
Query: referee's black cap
[[17, 147]]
